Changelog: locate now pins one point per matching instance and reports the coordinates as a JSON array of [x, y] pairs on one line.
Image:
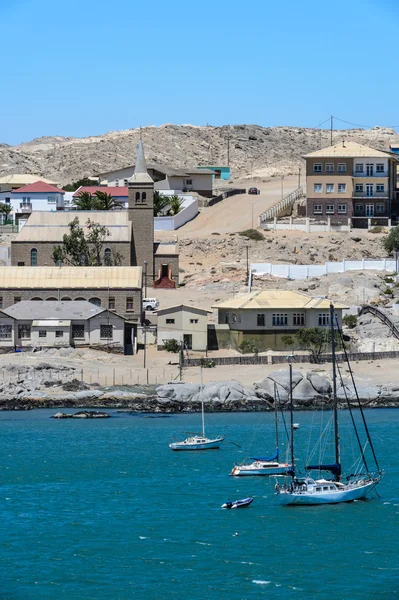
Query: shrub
[[207, 363], [288, 340], [252, 234], [172, 346], [377, 229], [249, 347], [391, 241], [350, 321]]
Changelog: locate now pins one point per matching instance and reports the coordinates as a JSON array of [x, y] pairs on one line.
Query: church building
[[131, 234]]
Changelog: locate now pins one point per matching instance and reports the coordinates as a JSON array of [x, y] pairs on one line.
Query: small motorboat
[[238, 503]]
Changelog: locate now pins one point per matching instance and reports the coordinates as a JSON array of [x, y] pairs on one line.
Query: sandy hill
[[254, 151]]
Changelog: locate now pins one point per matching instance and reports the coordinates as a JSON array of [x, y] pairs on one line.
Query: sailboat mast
[[335, 411], [276, 413], [292, 419], [202, 404]]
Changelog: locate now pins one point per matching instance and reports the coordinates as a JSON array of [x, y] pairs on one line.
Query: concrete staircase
[[282, 208], [382, 316]]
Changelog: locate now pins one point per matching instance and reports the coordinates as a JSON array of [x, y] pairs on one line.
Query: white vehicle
[[150, 303]]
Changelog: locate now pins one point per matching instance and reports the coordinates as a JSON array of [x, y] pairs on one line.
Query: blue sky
[[85, 67]]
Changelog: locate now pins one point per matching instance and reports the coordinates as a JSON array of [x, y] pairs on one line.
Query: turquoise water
[[104, 510]]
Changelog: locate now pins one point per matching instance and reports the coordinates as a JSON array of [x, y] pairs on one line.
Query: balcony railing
[[25, 207], [363, 174]]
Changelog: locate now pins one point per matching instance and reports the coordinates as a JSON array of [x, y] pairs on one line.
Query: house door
[[165, 271], [369, 210], [369, 189], [369, 170], [188, 341]]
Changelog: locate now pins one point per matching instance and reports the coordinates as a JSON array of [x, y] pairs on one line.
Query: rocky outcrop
[[83, 414]]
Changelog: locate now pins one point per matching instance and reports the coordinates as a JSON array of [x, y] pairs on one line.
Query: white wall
[[189, 211], [50, 339], [118, 329], [304, 271]]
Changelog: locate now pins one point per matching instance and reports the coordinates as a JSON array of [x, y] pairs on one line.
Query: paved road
[[237, 212]]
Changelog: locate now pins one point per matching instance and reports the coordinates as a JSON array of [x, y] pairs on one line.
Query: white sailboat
[[356, 486], [264, 466], [199, 442]]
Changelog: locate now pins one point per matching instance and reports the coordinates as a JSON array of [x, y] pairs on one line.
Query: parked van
[[150, 303]]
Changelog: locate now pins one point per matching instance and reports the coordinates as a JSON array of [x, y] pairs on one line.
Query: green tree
[[85, 248], [350, 321], [85, 201], [391, 241], [5, 209], [249, 347], [172, 346], [160, 203], [75, 185], [175, 204], [314, 339], [105, 201]]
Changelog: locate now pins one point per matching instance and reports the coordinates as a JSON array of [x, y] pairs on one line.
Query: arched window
[[95, 301], [65, 298], [107, 256], [33, 257], [80, 299], [53, 299], [137, 196], [143, 197], [36, 299]]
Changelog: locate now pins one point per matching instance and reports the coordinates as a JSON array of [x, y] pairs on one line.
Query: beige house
[[187, 324], [18, 180], [58, 324], [267, 315], [350, 181]]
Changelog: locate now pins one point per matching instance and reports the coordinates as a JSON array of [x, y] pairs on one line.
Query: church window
[[137, 196], [107, 257], [33, 257], [143, 197]]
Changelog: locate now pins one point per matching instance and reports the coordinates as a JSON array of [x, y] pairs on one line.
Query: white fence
[[305, 271], [189, 211]]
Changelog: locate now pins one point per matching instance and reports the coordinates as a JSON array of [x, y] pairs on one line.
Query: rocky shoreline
[[311, 391]]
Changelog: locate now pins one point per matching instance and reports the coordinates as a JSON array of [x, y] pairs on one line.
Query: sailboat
[[335, 489], [199, 442], [264, 466]]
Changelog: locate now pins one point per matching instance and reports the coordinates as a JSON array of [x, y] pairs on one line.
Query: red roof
[[39, 186], [116, 191]]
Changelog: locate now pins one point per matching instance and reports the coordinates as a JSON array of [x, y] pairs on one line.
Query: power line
[[363, 126]]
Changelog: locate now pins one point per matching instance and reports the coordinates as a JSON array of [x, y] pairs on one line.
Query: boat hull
[[187, 445], [337, 497], [238, 503], [258, 470]]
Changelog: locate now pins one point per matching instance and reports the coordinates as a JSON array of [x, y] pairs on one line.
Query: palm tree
[[85, 201], [175, 204], [160, 203], [106, 201]]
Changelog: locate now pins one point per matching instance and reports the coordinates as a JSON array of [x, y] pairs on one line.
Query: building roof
[[165, 170], [161, 249], [348, 150], [277, 299], [57, 278], [50, 226], [116, 191], [23, 179], [49, 310], [140, 174], [38, 187], [187, 307]]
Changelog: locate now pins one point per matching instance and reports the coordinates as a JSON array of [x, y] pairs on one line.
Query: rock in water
[[83, 414]]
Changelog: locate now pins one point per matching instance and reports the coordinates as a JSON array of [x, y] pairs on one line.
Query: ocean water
[[104, 510]]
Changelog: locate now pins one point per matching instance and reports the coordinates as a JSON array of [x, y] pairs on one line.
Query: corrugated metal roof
[[50, 310], [348, 150], [187, 307], [50, 323], [70, 277], [46, 226], [277, 299]]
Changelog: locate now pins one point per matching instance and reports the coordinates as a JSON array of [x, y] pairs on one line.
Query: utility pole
[[145, 278], [299, 177], [282, 187], [331, 131], [246, 249], [228, 149]]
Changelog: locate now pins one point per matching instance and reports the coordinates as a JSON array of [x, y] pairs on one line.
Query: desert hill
[[255, 152]]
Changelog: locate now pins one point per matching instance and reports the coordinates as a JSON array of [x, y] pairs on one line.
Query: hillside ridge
[[255, 151]]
